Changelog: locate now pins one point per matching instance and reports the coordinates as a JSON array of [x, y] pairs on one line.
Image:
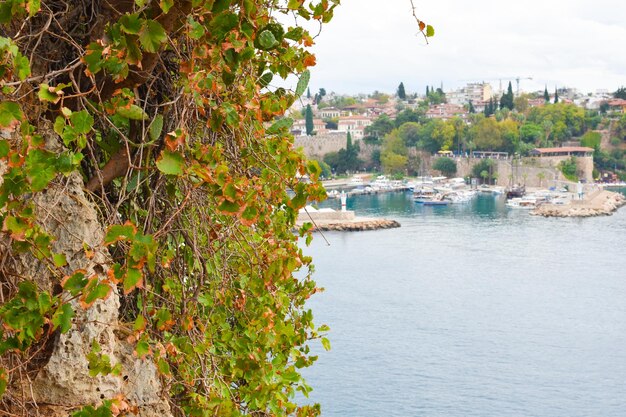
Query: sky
[[374, 45]]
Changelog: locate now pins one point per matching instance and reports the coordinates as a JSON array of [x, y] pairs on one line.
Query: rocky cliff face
[[58, 382]]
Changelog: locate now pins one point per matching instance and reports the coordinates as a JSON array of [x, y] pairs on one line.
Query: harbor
[[559, 200]]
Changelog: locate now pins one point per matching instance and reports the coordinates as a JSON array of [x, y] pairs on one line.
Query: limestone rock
[[63, 383]]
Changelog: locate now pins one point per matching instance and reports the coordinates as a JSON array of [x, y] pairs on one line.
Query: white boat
[[460, 196], [382, 183], [526, 202], [356, 181], [424, 194]]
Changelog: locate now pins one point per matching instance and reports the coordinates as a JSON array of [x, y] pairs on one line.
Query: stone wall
[[315, 147], [534, 172]]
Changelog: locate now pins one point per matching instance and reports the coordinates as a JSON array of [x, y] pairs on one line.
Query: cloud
[[558, 42]]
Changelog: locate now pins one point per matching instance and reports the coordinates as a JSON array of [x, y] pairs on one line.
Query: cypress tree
[[546, 96], [401, 92], [308, 93], [507, 98], [510, 97], [427, 91], [309, 120], [471, 107], [556, 95]]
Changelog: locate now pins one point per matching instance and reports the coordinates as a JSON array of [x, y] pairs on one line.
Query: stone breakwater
[[602, 203], [358, 225], [346, 221]]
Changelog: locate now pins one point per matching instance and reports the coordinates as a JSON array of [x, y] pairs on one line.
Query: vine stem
[[420, 24]]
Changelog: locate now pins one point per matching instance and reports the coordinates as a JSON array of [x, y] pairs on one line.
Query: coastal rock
[[358, 226], [58, 382], [603, 203]]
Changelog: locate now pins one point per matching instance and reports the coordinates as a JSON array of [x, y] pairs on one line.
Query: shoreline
[[600, 203]]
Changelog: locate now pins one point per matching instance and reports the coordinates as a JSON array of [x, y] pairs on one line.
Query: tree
[[445, 165], [591, 139], [620, 93], [308, 93], [149, 193], [490, 108], [380, 127], [409, 133], [531, 133], [427, 91], [520, 103], [393, 154], [308, 116], [483, 169], [556, 96], [486, 134], [546, 96], [401, 93], [471, 108], [409, 115], [541, 176], [569, 169], [506, 101]]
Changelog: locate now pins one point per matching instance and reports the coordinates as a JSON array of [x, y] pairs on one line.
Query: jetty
[[598, 203], [346, 221]]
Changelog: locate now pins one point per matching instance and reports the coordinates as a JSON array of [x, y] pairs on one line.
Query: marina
[[471, 309]]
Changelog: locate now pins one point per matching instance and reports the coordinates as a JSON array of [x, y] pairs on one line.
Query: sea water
[[471, 310]]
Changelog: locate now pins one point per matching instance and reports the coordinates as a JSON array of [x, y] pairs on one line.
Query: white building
[[476, 92]]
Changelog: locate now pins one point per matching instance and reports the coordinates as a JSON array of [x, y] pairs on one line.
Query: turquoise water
[[474, 310]]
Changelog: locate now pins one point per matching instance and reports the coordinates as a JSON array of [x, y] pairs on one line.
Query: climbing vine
[[165, 112]]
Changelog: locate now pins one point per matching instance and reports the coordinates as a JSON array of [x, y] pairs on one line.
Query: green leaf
[[131, 23], [10, 114], [132, 112], [59, 260], [326, 343], [119, 232], [45, 94], [164, 367], [93, 57], [75, 283], [98, 291], [220, 6], [3, 381], [82, 121], [279, 125], [266, 79], [229, 207], [166, 5], [430, 31], [156, 127], [267, 40], [132, 279], [4, 148], [63, 317], [152, 36], [196, 30], [171, 163], [303, 82], [33, 6], [314, 168], [142, 348], [22, 66]]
